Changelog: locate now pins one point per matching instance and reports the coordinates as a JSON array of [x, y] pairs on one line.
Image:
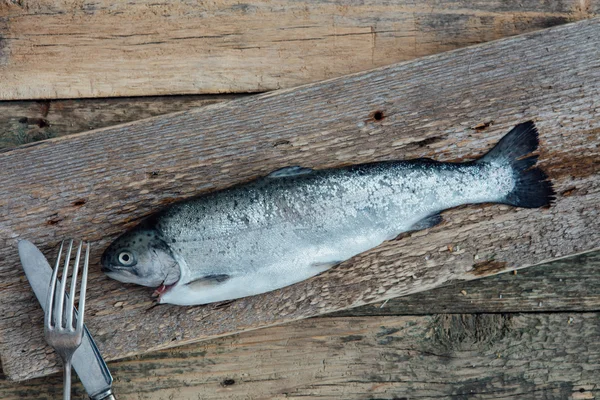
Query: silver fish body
[[297, 222]]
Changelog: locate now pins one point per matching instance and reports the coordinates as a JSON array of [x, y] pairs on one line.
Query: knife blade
[[87, 360]]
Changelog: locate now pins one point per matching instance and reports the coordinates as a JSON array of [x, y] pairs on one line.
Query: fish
[[297, 222]]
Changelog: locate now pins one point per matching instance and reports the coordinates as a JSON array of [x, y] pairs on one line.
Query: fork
[[59, 330]]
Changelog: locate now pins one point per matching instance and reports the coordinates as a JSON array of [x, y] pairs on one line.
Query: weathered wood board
[[487, 356], [432, 107], [23, 122], [108, 48], [570, 284]]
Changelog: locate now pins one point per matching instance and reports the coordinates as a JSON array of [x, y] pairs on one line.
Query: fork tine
[[63, 283], [71, 300], [48, 318], [83, 288], [66, 338]]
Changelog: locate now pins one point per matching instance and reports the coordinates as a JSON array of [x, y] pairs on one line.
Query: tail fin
[[532, 188]]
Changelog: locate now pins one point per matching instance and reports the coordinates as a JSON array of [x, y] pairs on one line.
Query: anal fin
[[428, 222], [289, 171]]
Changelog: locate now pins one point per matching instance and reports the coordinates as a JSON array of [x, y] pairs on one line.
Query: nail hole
[[581, 390], [78, 203], [40, 122], [228, 382], [378, 115]]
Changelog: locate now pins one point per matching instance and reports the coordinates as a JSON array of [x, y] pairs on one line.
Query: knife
[[87, 360]]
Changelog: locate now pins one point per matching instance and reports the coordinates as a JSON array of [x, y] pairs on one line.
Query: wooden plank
[[430, 107], [571, 284], [108, 48], [488, 356], [24, 122]]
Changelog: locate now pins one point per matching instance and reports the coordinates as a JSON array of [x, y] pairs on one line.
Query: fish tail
[[532, 187]]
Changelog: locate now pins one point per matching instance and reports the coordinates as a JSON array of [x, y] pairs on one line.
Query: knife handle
[[108, 395]]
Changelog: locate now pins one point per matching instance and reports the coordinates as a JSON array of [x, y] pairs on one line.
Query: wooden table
[[535, 333]]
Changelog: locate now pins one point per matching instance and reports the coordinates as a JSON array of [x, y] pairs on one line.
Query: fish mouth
[[114, 268], [118, 275]]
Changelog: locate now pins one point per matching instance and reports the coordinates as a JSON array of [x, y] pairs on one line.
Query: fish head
[[142, 257]]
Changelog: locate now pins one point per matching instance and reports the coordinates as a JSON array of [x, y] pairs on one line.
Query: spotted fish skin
[[297, 222]]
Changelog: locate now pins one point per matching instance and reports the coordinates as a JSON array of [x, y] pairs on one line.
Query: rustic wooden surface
[[458, 356], [570, 284], [106, 48], [223, 368], [431, 107], [23, 122]]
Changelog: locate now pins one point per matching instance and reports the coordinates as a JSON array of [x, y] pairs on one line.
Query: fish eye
[[126, 258]]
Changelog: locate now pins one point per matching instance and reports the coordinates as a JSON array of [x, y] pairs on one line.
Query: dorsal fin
[[289, 171], [424, 160]]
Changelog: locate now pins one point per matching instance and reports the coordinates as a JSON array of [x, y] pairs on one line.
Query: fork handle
[[67, 380]]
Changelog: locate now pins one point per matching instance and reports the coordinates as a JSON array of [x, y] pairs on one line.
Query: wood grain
[[487, 356], [571, 284], [24, 122], [108, 48], [431, 107]]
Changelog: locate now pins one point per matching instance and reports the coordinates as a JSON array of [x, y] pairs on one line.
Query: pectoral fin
[[325, 265], [208, 281]]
